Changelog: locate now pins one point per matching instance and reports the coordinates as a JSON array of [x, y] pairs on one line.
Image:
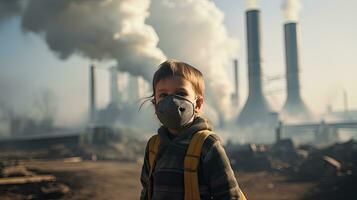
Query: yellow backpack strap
[[241, 195], [154, 143], [191, 162]]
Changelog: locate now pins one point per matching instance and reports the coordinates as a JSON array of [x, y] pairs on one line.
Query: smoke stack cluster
[[129, 32], [256, 109]]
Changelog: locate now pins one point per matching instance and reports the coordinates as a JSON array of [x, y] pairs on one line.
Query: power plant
[[125, 93], [256, 114], [257, 111]]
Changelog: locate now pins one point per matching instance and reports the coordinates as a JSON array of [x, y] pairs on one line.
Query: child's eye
[[163, 95], [181, 93]]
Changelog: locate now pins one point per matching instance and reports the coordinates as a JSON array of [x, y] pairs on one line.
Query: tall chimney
[[294, 105], [114, 91], [133, 89], [92, 104], [235, 97], [256, 108]]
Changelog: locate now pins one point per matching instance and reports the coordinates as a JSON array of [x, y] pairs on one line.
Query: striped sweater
[[215, 176]]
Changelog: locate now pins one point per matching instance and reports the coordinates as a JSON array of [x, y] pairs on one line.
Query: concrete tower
[[294, 106], [256, 109], [92, 96]]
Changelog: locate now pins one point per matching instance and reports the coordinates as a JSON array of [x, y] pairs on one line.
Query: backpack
[[191, 162]]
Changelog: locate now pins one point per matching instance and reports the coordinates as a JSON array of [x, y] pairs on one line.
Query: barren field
[[120, 180]]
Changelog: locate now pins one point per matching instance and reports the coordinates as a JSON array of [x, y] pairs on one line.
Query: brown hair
[[172, 68]]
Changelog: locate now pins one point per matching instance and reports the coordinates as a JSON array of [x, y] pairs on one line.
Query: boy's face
[[179, 86]]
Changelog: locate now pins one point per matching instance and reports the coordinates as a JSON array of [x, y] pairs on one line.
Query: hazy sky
[[328, 59]]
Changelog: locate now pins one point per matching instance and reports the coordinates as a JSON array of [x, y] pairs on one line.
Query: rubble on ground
[[333, 167], [100, 143], [305, 161], [19, 182]]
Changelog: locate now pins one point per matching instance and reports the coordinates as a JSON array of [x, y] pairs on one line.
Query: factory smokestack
[[92, 104], [294, 106], [114, 91], [235, 96], [256, 109]]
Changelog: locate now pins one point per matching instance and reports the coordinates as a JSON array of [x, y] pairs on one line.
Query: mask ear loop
[[194, 106]]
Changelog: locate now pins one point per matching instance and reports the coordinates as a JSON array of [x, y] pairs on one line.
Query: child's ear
[[153, 101], [199, 104]]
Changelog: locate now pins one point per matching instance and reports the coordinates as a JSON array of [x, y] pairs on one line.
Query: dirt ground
[[272, 186], [120, 180]]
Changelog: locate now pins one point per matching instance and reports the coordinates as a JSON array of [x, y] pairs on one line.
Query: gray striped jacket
[[215, 176]]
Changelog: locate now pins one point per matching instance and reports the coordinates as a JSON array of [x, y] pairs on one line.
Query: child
[[178, 96]]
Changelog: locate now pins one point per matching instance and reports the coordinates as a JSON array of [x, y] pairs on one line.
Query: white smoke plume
[[189, 30], [252, 4], [291, 10], [98, 29], [193, 31]]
